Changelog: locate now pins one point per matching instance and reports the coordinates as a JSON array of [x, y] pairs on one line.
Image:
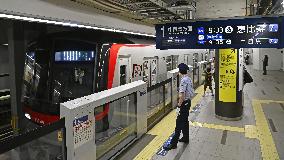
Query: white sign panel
[[83, 130]]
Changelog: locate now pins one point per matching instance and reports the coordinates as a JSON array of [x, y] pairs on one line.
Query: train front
[[56, 71]]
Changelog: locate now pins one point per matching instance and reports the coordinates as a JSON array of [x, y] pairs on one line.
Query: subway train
[[64, 66]]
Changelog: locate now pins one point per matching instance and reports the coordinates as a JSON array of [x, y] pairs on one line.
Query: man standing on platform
[[265, 64], [186, 92]]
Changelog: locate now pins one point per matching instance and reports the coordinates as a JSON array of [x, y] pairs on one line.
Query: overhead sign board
[[262, 32]]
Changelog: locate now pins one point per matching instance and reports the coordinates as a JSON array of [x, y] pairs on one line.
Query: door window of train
[[73, 74], [123, 74], [36, 75], [153, 68], [146, 68], [169, 63], [175, 61]]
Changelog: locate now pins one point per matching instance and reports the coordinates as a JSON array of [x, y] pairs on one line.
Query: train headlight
[[28, 116]]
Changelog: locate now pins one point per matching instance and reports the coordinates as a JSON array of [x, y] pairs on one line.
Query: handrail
[[21, 139], [157, 85]]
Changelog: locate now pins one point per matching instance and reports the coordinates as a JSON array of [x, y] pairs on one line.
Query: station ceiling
[[161, 11]]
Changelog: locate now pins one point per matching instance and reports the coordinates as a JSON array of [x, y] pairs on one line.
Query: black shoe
[[170, 147], [183, 140]]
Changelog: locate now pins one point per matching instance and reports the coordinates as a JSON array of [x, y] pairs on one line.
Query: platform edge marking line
[[267, 145], [162, 131]]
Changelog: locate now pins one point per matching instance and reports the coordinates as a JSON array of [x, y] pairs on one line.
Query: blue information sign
[[264, 32]]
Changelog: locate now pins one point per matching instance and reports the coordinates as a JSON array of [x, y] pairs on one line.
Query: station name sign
[[264, 32]]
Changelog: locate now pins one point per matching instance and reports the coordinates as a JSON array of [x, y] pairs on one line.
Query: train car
[[62, 67]]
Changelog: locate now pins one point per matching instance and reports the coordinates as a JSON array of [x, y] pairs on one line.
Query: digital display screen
[[65, 56], [262, 32]]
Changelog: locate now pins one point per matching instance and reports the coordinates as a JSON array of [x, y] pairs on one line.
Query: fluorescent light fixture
[[70, 24], [6, 44]]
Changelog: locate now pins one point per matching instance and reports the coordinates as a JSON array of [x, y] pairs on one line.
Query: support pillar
[[16, 49], [228, 89]]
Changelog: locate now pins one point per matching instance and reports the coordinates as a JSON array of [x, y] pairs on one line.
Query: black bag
[[247, 77]]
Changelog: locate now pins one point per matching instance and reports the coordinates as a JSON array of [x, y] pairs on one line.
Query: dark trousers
[[182, 123], [264, 70]]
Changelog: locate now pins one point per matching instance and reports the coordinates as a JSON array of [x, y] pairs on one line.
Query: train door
[[150, 70], [124, 63]]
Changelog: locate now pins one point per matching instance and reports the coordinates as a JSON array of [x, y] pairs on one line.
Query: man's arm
[[181, 98]]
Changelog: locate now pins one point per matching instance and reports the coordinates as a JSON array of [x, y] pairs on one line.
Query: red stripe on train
[[41, 118]]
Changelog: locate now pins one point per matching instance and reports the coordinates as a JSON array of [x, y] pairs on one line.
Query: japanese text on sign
[[227, 75]]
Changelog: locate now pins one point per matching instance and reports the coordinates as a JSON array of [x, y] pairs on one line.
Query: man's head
[[183, 68], [208, 69]]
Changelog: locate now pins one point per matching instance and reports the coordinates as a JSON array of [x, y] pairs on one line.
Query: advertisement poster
[[227, 75]]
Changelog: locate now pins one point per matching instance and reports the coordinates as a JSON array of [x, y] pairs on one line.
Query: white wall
[[4, 67], [69, 11], [275, 58]]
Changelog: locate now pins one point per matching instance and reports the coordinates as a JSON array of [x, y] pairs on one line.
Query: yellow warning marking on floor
[[261, 131], [163, 130], [267, 145], [217, 126], [250, 131]]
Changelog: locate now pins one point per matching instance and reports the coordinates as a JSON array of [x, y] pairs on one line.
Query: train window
[[123, 74], [169, 63], [175, 61], [145, 71], [36, 75], [74, 78]]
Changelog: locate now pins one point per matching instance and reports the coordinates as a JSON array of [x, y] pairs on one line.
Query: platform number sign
[[82, 130], [263, 32]]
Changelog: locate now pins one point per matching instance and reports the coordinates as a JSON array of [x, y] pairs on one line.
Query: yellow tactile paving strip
[[261, 131], [267, 145], [163, 130]]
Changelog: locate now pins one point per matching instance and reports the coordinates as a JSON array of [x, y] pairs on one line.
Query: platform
[[258, 135]]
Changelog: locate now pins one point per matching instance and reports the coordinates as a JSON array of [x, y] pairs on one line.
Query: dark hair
[[183, 71], [208, 69]]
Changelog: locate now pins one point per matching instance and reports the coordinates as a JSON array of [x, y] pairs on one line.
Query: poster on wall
[[228, 75]]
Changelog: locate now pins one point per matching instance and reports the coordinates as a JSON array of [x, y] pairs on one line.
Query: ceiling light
[[29, 19], [6, 44]]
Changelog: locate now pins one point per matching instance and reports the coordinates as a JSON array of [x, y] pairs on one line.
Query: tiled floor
[[210, 144]]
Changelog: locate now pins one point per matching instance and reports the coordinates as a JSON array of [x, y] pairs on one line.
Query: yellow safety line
[[163, 130], [217, 126], [267, 145]]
